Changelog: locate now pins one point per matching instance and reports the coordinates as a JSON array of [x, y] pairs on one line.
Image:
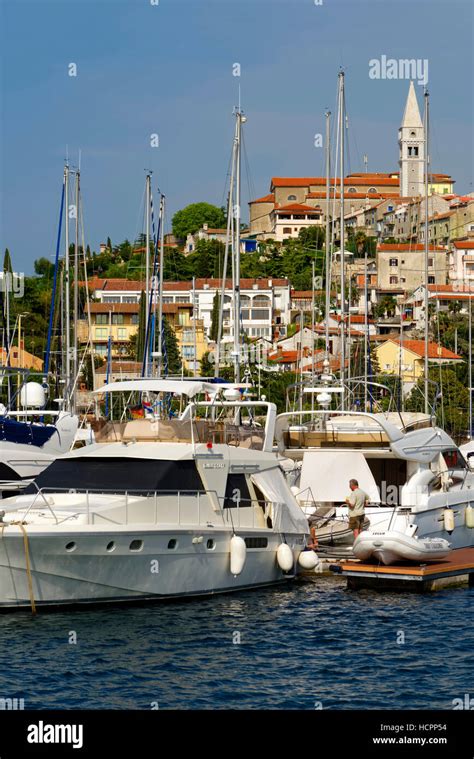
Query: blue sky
[[167, 69]]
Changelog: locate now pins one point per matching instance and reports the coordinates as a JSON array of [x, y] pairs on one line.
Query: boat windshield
[[117, 475]]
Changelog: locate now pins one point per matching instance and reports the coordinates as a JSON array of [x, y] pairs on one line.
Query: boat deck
[[456, 569]]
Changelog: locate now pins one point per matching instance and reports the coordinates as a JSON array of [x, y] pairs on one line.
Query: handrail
[[155, 494]]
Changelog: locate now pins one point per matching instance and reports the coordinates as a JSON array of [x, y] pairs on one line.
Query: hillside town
[[283, 319]]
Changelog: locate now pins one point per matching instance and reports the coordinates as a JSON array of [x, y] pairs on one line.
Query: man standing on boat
[[356, 502]]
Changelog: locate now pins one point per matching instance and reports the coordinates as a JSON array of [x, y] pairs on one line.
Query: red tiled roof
[[215, 284], [442, 215], [434, 349], [464, 244], [114, 308], [366, 179], [214, 231], [354, 195], [266, 199], [355, 318], [298, 207]]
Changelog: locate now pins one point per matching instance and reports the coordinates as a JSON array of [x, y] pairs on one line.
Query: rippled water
[[313, 642]]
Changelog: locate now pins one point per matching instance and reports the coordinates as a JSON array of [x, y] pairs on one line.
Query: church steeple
[[411, 141]]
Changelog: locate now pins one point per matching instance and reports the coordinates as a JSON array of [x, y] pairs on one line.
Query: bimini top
[[178, 387]]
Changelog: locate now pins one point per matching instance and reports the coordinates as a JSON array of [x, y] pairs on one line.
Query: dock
[[456, 569]]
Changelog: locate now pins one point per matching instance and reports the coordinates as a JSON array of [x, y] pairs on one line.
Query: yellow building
[[120, 321], [408, 359], [21, 358]]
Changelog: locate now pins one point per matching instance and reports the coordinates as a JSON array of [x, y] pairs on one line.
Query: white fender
[[469, 516], [448, 516], [308, 560], [285, 557], [238, 554]]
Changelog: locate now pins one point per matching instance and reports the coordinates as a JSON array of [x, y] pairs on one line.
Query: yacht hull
[[79, 567]]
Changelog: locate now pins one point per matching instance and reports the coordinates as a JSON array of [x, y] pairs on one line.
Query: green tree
[[188, 220], [44, 268], [173, 355], [7, 261], [215, 317], [142, 318]]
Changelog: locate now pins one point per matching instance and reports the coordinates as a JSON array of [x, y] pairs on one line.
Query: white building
[[461, 262]]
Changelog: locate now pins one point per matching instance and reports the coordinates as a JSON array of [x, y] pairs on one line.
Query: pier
[[456, 569]]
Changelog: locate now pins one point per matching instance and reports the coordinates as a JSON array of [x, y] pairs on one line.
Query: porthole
[[210, 545], [111, 546], [136, 545], [71, 546], [172, 544]]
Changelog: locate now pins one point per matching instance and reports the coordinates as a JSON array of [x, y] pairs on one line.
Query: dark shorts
[[356, 523]]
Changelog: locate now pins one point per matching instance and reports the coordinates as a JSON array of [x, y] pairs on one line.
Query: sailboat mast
[[343, 263], [76, 288], [160, 289], [240, 120], [328, 243], [147, 247], [470, 367], [426, 299], [67, 304], [229, 237]]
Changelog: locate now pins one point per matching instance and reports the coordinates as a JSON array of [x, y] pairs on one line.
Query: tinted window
[[118, 475], [237, 492]]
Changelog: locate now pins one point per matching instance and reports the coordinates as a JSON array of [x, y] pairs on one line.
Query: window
[[352, 189], [134, 319], [256, 542], [372, 189], [412, 134], [101, 318], [409, 151], [119, 474], [415, 151], [431, 280], [187, 336], [101, 332], [167, 299], [111, 299], [287, 230], [291, 197], [393, 262], [260, 314], [136, 545], [117, 318], [236, 492], [210, 545], [110, 546], [122, 333], [394, 280], [100, 350], [130, 299], [187, 351], [172, 544], [182, 299], [430, 262], [71, 546]]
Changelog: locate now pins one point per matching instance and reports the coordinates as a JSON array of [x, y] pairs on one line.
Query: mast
[[240, 118], [76, 290], [147, 235], [343, 263], [328, 244], [194, 326], [229, 237], [67, 306], [426, 299], [160, 291], [470, 367], [366, 337]]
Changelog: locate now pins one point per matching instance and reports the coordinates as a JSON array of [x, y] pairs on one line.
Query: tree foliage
[[188, 220]]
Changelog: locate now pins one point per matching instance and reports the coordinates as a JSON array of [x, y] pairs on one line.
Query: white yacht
[[154, 509], [29, 444], [417, 479]]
